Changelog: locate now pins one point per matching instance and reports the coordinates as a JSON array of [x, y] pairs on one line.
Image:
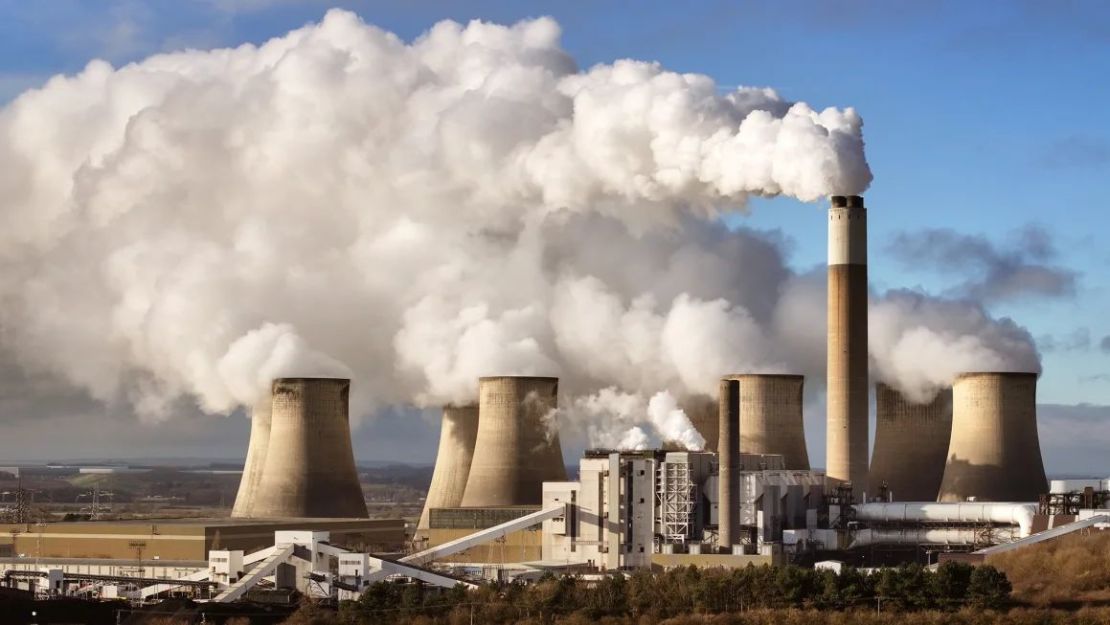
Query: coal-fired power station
[[457, 434], [847, 422], [911, 444], [771, 417], [308, 464], [517, 445], [995, 453]]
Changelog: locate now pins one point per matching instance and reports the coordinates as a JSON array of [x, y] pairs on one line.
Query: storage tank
[[847, 384], [995, 452], [911, 444], [456, 449], [256, 458], [310, 464], [517, 445], [771, 417]]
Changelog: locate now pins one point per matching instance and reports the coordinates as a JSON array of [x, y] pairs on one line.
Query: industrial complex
[[959, 476]]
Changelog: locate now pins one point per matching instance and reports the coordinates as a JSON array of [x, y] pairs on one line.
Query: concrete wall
[[995, 452], [523, 546], [517, 445], [310, 465], [911, 444], [702, 412], [456, 450], [847, 424]]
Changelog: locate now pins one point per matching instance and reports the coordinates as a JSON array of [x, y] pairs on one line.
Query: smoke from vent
[[337, 202]]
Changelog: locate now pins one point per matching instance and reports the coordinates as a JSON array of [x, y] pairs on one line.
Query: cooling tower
[[771, 417], [310, 466], [517, 446], [728, 480], [846, 434], [995, 454], [911, 444], [456, 449], [256, 458], [703, 415]]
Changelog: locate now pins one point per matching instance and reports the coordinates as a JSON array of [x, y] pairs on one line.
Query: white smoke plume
[[412, 215]]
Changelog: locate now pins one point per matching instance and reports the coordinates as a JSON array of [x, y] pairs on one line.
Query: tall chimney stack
[[728, 480], [847, 437]]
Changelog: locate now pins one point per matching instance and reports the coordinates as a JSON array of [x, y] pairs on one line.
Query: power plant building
[[516, 448], [911, 444], [456, 450], [309, 468], [995, 452]]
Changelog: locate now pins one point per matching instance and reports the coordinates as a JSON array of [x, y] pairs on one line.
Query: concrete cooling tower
[[911, 444], [309, 469], [517, 446], [995, 453], [728, 480], [847, 437], [703, 415], [256, 458], [456, 449], [771, 417]]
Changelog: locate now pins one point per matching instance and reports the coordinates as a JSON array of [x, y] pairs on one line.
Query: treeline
[[653, 597]]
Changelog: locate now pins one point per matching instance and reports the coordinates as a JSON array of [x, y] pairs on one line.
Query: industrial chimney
[[771, 417], [456, 449], [309, 469], [517, 446], [846, 434], [256, 458], [911, 443], [728, 479], [995, 453]]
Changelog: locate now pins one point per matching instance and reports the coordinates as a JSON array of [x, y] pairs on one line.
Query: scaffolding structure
[[676, 499]]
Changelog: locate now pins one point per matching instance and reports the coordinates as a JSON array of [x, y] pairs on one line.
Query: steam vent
[[517, 446], [456, 449], [995, 453], [911, 444], [309, 468], [847, 437], [256, 458], [771, 417]]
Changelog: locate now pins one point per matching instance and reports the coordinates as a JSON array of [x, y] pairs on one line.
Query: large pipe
[[931, 536], [771, 417], [456, 449], [995, 452], [975, 513], [728, 482], [256, 458], [847, 437], [310, 463], [517, 445], [911, 443]]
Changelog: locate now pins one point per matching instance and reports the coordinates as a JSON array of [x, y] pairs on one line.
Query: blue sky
[[983, 117]]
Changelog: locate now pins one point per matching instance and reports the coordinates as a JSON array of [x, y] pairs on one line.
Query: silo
[[911, 444], [310, 464], [771, 417], [702, 412], [256, 458], [728, 479], [456, 449], [995, 453], [517, 445], [847, 417]]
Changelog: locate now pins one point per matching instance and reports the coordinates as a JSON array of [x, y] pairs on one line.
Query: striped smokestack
[[847, 343]]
